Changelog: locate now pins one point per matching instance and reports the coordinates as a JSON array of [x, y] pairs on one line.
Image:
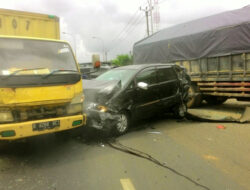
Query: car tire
[[122, 125], [180, 111]]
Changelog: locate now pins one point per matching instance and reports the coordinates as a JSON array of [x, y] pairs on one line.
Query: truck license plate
[[45, 125]]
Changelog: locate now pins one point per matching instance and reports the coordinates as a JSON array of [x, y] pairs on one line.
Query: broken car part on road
[[231, 111]]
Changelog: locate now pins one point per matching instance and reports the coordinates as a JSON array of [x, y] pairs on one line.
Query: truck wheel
[[215, 100], [194, 96], [122, 125]]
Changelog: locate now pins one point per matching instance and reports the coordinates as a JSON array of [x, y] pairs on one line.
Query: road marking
[[127, 184]]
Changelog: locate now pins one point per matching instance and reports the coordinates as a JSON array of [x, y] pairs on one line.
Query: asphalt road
[[193, 156]]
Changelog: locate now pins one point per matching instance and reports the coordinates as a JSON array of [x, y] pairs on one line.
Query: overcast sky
[[117, 24]]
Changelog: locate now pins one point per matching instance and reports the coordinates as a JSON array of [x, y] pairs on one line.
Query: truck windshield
[[118, 74], [34, 57]]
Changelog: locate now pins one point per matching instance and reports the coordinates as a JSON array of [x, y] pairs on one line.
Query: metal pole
[[146, 12], [151, 15]]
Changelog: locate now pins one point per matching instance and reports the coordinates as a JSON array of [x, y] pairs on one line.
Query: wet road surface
[[197, 155]]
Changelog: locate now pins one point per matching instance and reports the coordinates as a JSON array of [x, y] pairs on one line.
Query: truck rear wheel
[[194, 96], [215, 100]]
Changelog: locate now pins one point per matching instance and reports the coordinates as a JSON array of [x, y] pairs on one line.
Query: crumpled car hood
[[99, 91]]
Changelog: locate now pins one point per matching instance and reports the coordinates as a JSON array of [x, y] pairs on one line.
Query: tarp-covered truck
[[40, 82], [215, 50]]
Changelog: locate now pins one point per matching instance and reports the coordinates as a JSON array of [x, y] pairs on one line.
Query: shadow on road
[[47, 144]]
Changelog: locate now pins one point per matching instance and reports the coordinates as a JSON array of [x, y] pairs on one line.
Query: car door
[[146, 100], [168, 85]]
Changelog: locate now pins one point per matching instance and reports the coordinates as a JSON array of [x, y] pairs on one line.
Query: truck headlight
[[76, 104], [75, 108], [6, 116]]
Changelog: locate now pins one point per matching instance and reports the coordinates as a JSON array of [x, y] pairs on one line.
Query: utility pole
[[151, 16], [146, 13]]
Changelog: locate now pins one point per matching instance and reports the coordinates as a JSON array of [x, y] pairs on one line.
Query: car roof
[[142, 66]]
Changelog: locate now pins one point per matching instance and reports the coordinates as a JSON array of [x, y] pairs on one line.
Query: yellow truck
[[40, 81]]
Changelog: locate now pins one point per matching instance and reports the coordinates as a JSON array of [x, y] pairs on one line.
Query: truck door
[[168, 85], [146, 101]]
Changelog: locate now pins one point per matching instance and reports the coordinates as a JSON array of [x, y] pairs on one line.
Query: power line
[[130, 29], [129, 22], [129, 32], [127, 27]]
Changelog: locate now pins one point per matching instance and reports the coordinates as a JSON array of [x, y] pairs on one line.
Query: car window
[[165, 74], [148, 76], [122, 75]]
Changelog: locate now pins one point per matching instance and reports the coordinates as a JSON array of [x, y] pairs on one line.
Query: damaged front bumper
[[101, 120]]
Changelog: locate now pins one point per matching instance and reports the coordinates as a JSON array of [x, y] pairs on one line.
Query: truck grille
[[40, 112]]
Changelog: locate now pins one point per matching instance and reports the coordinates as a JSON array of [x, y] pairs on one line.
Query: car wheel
[[122, 124], [180, 111]]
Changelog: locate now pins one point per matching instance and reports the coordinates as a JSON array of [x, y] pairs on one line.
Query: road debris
[[102, 145], [154, 132], [231, 111], [210, 157], [220, 127]]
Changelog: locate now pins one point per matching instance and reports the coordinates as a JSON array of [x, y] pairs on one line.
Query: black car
[[125, 94]]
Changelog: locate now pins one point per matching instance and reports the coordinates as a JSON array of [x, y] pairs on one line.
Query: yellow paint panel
[[38, 95], [18, 23]]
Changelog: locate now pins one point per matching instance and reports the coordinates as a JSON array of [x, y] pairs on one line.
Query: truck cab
[[40, 87]]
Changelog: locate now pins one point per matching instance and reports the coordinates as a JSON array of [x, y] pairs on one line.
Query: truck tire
[[215, 100], [195, 97]]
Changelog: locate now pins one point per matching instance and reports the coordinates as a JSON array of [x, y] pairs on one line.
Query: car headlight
[[76, 104], [6, 116], [94, 106], [102, 108]]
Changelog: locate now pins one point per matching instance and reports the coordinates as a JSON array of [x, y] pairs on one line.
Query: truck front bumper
[[14, 131]]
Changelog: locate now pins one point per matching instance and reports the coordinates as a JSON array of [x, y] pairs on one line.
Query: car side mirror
[[142, 85]]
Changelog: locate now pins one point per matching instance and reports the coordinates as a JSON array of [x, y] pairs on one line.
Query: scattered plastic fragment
[[154, 132], [210, 157], [221, 127], [102, 145]]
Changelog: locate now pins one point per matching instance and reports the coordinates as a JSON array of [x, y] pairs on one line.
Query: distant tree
[[122, 60]]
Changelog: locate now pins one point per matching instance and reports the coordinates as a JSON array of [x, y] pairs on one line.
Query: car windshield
[[117, 74], [34, 56]]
